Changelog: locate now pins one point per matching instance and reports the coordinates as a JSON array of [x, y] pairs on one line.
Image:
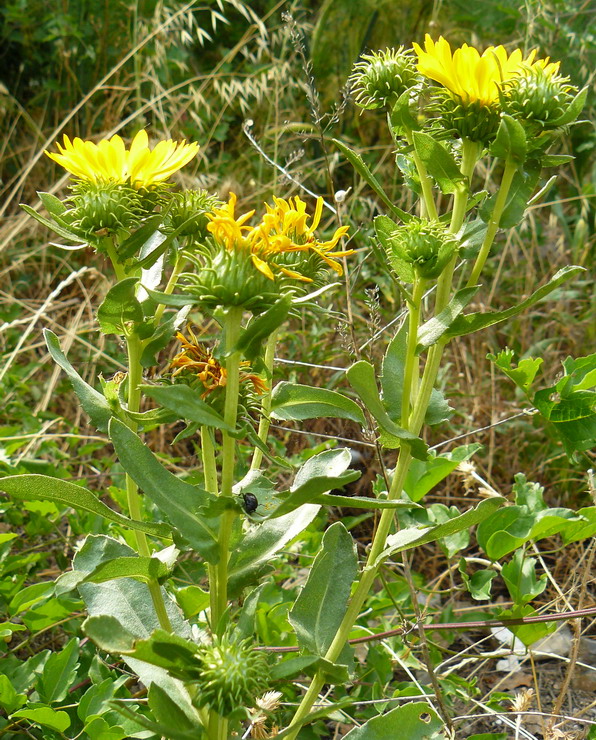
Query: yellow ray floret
[[472, 76], [110, 161], [284, 228]]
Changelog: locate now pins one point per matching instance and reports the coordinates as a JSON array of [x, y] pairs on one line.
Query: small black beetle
[[251, 502]]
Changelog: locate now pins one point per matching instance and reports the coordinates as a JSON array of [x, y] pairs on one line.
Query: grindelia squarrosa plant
[[181, 255]]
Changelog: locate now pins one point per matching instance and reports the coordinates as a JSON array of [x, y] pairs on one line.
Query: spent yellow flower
[[284, 230], [475, 77], [110, 160]]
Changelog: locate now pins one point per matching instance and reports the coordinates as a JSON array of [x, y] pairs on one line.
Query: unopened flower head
[[232, 675], [245, 265], [538, 96], [196, 360], [110, 161], [380, 78], [424, 245], [187, 212], [104, 209]]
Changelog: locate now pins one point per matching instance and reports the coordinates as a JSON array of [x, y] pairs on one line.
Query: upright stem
[[210, 472], [410, 387], [265, 421], [178, 267], [232, 332], [425, 181], [135, 372], [495, 220]]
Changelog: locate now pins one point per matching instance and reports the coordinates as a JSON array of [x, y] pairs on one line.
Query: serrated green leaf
[[424, 475], [186, 506], [295, 402], [143, 569], [362, 168], [120, 309], [187, 404], [439, 162], [33, 487], [361, 376], [58, 673], [319, 609], [472, 322], [92, 401]]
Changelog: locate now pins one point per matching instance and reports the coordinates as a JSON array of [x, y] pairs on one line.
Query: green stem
[[178, 267], [495, 219], [425, 181], [210, 472], [135, 372], [412, 362], [232, 332], [265, 421]]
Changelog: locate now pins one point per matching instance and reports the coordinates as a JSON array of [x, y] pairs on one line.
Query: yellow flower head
[[284, 230], [471, 76], [110, 161]]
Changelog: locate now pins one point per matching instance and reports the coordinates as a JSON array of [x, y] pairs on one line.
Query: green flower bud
[[421, 248], [538, 98], [233, 675], [105, 207], [189, 209], [382, 77]]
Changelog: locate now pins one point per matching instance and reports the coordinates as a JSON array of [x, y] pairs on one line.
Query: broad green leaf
[[59, 673], [472, 322], [520, 578], [513, 526], [411, 537], [424, 475], [414, 721], [384, 228], [261, 327], [29, 596], [581, 530], [46, 717], [430, 332], [295, 402], [183, 504], [523, 375], [97, 728], [173, 300], [261, 542], [10, 699], [120, 310], [192, 600], [361, 377], [161, 337], [479, 583], [96, 699], [401, 116], [362, 168], [33, 487], [93, 402], [321, 605], [143, 569], [439, 162], [169, 715], [510, 141], [187, 404]]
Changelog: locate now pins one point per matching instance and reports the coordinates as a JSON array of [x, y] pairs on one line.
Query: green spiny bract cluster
[[538, 99], [105, 207], [188, 211], [233, 675], [382, 77], [426, 246], [466, 120]]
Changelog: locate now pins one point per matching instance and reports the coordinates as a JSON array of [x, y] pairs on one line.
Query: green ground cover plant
[[200, 575]]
